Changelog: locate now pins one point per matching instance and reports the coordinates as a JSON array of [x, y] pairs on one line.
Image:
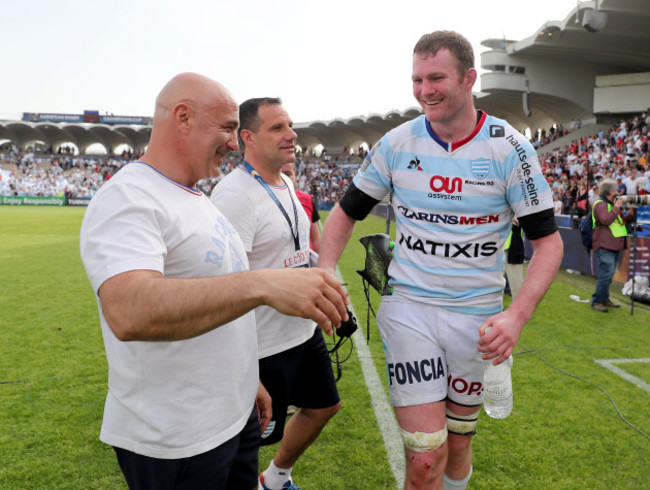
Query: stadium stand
[[574, 160]]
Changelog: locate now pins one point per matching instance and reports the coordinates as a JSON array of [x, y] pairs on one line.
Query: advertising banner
[[32, 201]]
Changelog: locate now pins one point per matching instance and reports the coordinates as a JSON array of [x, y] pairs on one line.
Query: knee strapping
[[423, 442], [462, 424]]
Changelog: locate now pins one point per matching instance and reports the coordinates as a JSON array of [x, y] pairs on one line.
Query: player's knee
[[422, 469], [424, 442], [333, 410], [458, 444], [323, 414]]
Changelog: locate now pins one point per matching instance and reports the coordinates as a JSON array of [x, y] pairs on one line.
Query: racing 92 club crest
[[480, 168]]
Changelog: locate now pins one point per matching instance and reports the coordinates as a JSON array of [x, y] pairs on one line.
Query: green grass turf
[[564, 431]]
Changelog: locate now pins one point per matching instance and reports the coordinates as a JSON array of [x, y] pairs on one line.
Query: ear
[[247, 138], [470, 78], [183, 115]]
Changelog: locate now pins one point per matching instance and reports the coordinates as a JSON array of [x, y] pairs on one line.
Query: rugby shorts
[[431, 353], [300, 376]]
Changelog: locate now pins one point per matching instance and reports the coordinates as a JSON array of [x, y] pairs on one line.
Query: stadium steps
[[586, 131]]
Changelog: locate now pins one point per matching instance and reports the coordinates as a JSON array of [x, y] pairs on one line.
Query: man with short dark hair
[[457, 177], [262, 205]]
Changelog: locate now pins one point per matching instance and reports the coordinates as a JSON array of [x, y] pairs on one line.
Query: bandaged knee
[[423, 442], [462, 424]]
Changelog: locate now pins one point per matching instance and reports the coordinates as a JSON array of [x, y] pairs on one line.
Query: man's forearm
[[143, 305], [336, 234], [547, 258]]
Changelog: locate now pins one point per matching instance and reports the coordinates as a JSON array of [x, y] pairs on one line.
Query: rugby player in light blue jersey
[[458, 177]]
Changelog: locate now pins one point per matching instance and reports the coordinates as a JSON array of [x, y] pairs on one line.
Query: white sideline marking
[[380, 404], [635, 380]]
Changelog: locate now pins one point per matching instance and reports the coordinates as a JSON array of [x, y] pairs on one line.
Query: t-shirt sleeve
[[121, 232], [237, 207]]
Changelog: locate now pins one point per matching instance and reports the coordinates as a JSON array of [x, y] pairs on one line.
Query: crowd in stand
[[27, 174], [573, 171], [325, 178], [620, 153]]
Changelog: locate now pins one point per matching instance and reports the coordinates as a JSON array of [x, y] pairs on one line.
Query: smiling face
[[443, 93], [273, 143], [215, 135], [194, 127]]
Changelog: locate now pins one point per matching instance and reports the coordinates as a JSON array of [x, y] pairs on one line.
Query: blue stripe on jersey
[[498, 266]]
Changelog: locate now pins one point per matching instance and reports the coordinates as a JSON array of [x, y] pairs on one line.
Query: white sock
[[275, 477], [449, 484]]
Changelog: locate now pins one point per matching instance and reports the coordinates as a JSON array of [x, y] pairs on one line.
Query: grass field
[[575, 425]]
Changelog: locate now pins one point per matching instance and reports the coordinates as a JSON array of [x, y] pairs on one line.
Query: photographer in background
[[609, 239]]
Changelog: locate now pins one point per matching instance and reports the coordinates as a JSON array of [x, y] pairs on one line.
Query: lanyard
[[296, 234]]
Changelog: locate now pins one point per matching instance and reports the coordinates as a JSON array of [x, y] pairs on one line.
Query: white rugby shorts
[[431, 353]]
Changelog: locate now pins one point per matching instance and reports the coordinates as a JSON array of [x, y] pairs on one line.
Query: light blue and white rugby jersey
[[454, 204]]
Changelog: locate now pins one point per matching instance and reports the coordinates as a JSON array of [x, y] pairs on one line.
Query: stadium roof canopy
[[563, 60], [556, 75]]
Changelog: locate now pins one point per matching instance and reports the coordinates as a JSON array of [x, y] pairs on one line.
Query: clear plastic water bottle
[[497, 388]]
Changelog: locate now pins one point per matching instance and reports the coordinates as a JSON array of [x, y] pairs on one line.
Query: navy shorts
[[232, 465], [300, 376]]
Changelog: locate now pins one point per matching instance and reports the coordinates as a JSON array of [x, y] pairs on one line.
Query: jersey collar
[[450, 147]]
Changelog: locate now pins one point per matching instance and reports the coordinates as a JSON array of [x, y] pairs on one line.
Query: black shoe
[[599, 307], [610, 304]]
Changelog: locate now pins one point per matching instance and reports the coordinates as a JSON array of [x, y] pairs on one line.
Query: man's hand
[[505, 327], [307, 293], [619, 202], [499, 342], [264, 411]]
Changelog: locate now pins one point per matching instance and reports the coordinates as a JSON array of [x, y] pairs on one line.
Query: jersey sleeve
[[528, 191], [539, 225], [374, 177], [356, 203]]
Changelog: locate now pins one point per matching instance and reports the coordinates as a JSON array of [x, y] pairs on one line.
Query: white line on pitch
[[382, 408], [635, 380]]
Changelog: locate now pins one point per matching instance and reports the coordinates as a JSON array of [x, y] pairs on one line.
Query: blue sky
[[337, 58]]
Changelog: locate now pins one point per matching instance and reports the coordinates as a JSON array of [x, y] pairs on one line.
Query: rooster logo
[[414, 164]]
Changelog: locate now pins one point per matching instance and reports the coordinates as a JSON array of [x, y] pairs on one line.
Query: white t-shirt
[[169, 399], [269, 242], [632, 184]]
